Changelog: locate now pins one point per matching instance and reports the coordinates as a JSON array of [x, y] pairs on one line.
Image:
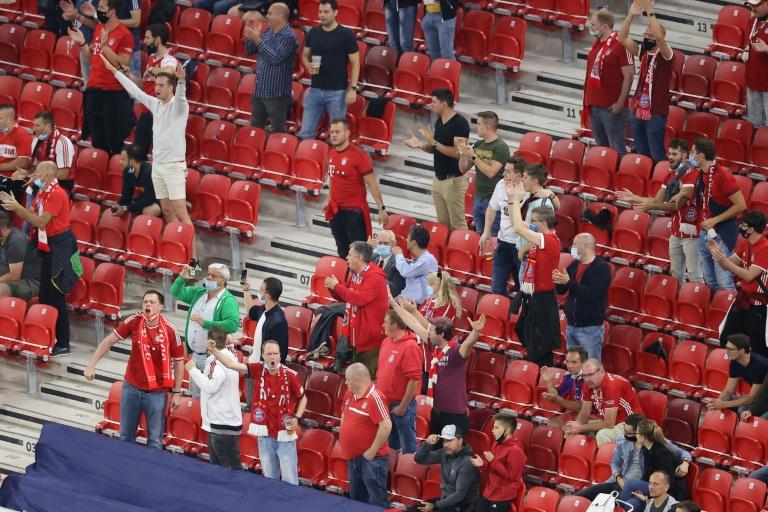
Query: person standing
[[15, 142], [108, 108], [160, 60], [757, 64], [612, 399], [400, 16], [399, 379], [155, 348], [679, 196], [327, 51], [220, 402], [60, 267], [744, 365], [138, 193], [419, 268], [488, 156], [51, 145], [268, 315], [383, 244], [749, 263], [277, 49], [210, 305], [586, 280], [609, 77], [539, 323], [365, 427], [350, 169], [279, 402], [439, 25], [720, 202], [170, 111], [570, 392], [449, 186], [365, 293], [649, 105], [460, 479], [504, 465]]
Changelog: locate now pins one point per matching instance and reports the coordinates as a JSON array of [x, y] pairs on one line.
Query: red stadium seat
[[571, 14], [650, 367], [378, 70], [472, 37], [208, 208], [461, 254], [408, 80], [322, 393], [407, 479], [602, 236], [535, 147], [619, 350], [438, 238], [749, 443], [224, 39], [654, 404], [758, 153], [675, 118], [175, 246], [716, 435], [374, 23], [65, 63], [568, 216], [66, 105], [519, 386], [716, 371], [700, 124], [634, 173], [314, 450], [686, 366], [245, 151], [190, 33], [143, 241], [91, 169], [573, 503], [718, 308], [184, 426], [326, 266], [431, 486], [601, 466], [759, 199], [351, 14], [658, 302], [35, 97], [338, 471], [565, 164], [79, 293], [11, 41], [214, 146], [681, 423], [712, 489], [496, 311], [83, 217], [730, 33], [299, 320], [375, 133], [221, 89], [241, 208], [10, 88], [196, 87], [695, 81], [629, 236], [575, 464], [111, 422], [277, 158], [112, 234], [442, 73], [747, 495], [597, 172], [625, 292], [194, 135], [12, 311], [38, 333], [728, 89], [540, 499], [691, 306], [400, 225], [243, 98], [659, 177], [658, 243], [506, 47], [733, 143], [546, 444], [35, 55]]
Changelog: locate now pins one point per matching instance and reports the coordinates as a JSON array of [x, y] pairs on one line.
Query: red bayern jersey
[[135, 374], [346, 169], [611, 77], [120, 41], [360, 418], [615, 392], [14, 144], [270, 402], [542, 260]]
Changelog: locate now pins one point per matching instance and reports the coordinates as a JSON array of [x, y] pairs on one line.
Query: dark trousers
[[143, 138], [275, 109], [505, 262], [484, 505], [440, 419], [461, 507], [348, 226], [50, 296], [749, 321], [592, 491], [224, 450], [368, 480], [110, 118]]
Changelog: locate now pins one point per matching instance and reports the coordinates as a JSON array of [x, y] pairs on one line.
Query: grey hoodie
[[671, 502], [460, 478]]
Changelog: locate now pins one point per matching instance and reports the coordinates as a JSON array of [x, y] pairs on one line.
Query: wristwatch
[[176, 391], [474, 157]]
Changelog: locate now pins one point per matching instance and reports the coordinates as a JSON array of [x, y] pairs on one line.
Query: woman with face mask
[[503, 465]]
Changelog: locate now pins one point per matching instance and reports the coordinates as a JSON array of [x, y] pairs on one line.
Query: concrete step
[[31, 412], [563, 107], [20, 437], [76, 394], [14, 461]]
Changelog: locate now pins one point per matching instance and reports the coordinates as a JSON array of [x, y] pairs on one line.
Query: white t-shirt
[[498, 202], [255, 356], [198, 336]]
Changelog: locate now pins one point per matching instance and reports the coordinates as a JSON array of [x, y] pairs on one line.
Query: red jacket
[[366, 296], [505, 472]]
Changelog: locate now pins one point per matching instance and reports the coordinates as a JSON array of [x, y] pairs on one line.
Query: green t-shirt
[[496, 151]]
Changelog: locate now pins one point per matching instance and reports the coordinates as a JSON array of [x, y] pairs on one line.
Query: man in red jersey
[[108, 108], [609, 77], [399, 378], [350, 169], [611, 397], [15, 142], [749, 264], [757, 64], [155, 348], [365, 427], [366, 295]]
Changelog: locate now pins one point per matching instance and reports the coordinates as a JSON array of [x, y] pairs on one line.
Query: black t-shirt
[[18, 249], [753, 373], [457, 126], [334, 47]]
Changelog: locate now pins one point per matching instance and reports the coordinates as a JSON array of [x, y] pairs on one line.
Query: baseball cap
[[450, 432], [754, 3]]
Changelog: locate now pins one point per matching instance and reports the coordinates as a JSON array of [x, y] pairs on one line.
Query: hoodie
[[460, 479], [219, 395], [400, 361], [668, 507], [365, 293], [505, 471]]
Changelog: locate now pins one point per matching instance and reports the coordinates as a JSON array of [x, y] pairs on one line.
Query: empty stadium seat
[[38, 332], [11, 41], [143, 240], [728, 95], [241, 207], [326, 266], [190, 34], [597, 172], [747, 495], [35, 97], [716, 435], [712, 489], [65, 64], [378, 70], [277, 158], [12, 311], [442, 73], [575, 461], [535, 147], [625, 292], [540, 499], [629, 234], [472, 38], [651, 367], [407, 479], [313, 450], [208, 207], [35, 55], [681, 423], [224, 39], [111, 422], [408, 80], [83, 218], [695, 81], [322, 393], [506, 47], [749, 443], [461, 254], [245, 152], [175, 246], [700, 124], [184, 427], [564, 164], [518, 389], [730, 33]]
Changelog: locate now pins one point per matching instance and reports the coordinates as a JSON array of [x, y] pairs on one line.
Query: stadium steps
[[14, 461], [33, 412], [79, 394], [562, 107]]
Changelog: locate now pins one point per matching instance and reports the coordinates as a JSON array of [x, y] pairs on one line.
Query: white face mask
[[575, 253]]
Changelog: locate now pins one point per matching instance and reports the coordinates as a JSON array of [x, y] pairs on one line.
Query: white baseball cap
[[450, 432], [754, 3]]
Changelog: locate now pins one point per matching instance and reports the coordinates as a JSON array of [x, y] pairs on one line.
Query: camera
[[11, 186]]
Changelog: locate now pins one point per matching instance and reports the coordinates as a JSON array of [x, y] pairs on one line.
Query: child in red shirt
[[504, 466]]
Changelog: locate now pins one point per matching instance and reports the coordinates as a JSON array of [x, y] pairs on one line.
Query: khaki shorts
[[170, 180], [24, 288]]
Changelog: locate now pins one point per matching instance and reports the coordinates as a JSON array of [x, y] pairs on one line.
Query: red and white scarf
[[641, 101], [38, 203], [49, 145], [597, 66], [160, 342], [437, 355], [261, 407]]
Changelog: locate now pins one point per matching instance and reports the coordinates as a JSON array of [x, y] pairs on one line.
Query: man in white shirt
[[170, 111], [52, 145], [416, 270], [220, 403]]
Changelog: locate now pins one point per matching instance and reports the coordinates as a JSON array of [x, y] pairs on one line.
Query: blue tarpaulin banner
[[81, 471]]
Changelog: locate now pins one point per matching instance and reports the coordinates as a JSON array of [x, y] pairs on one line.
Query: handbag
[[606, 502]]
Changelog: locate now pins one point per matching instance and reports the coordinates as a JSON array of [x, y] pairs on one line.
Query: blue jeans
[[400, 25], [403, 435], [279, 459], [716, 277], [439, 35], [133, 402], [633, 486], [649, 137], [216, 6], [590, 337], [368, 480], [760, 474], [609, 128], [505, 262], [479, 206], [317, 101]]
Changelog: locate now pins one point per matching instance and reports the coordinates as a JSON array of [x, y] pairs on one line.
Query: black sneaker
[[59, 351]]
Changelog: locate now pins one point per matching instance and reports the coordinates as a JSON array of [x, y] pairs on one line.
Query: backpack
[[607, 503]]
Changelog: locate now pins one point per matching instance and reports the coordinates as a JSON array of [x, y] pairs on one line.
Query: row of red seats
[[27, 330], [730, 33]]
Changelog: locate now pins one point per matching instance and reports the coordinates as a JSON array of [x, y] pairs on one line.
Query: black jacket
[[586, 299], [395, 281], [65, 261], [146, 192], [275, 327], [659, 457], [460, 479]]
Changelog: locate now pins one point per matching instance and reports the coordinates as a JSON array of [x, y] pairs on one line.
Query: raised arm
[[474, 335], [228, 362], [636, 9]]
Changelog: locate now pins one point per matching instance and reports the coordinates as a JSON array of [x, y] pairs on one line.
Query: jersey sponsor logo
[[7, 151]]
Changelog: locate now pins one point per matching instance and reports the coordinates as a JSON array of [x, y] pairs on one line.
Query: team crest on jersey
[[343, 161], [365, 405], [391, 358], [259, 415], [111, 42]]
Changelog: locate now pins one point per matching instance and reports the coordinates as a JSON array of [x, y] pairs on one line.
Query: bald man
[[365, 428], [586, 280], [277, 49], [60, 267]]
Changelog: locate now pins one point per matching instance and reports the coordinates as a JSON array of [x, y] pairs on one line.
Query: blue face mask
[[430, 291], [693, 161], [210, 285], [259, 296], [383, 250], [533, 228], [39, 183], [5, 130]]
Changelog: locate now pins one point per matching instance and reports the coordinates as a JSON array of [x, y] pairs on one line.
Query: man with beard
[[138, 193], [154, 346], [350, 169], [52, 145], [676, 195]]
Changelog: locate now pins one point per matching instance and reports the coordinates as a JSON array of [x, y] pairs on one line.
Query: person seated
[[688, 506], [569, 393], [138, 194], [19, 262], [382, 244], [658, 498], [416, 270], [745, 365]]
